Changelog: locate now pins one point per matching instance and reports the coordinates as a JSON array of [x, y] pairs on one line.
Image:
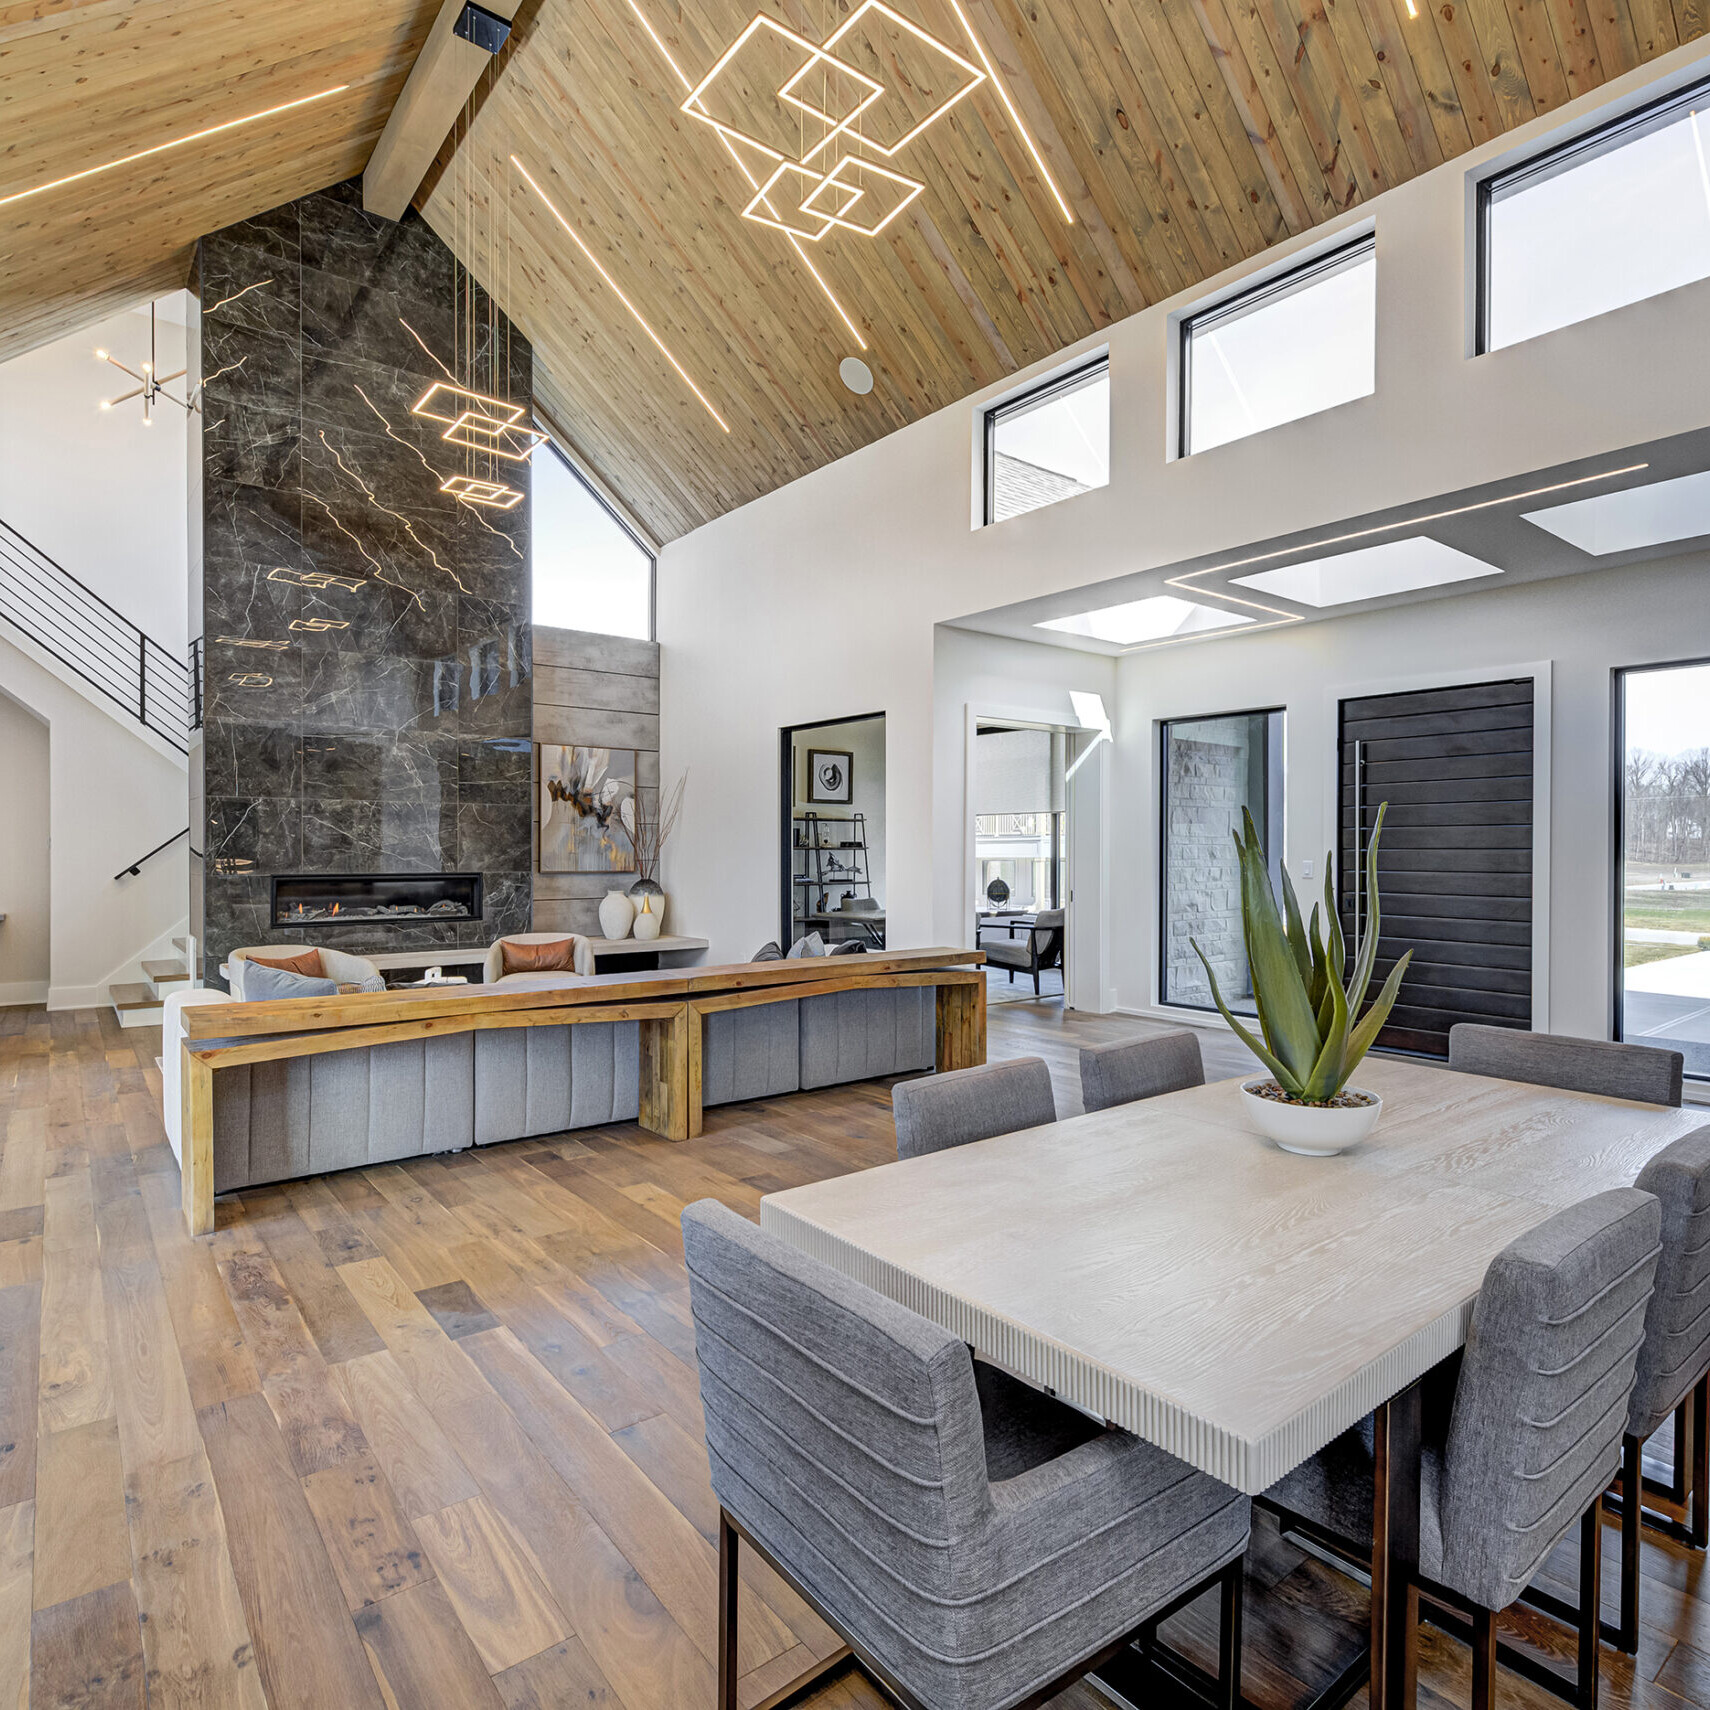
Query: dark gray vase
[[647, 888]]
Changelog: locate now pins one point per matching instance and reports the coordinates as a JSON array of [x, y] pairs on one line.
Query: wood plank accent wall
[[599, 690]]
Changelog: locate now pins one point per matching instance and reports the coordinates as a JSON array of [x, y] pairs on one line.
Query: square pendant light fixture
[[1161, 617], [491, 495], [1634, 518], [1394, 567]]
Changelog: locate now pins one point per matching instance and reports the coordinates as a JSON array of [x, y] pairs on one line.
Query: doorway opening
[[833, 818], [1021, 853]]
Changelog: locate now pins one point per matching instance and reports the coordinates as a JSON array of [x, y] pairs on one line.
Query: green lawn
[[1670, 911], [1638, 954]]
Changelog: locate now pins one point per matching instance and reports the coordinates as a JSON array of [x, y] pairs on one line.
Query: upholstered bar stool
[[1139, 1068], [1649, 1075], [965, 1105], [976, 1544], [1530, 1440]]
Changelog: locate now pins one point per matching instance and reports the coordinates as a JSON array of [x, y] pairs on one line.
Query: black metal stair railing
[[85, 634]]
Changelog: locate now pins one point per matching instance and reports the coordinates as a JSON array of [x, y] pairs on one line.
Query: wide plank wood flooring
[[429, 1434]]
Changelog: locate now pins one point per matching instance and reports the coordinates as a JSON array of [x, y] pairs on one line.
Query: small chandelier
[[151, 384]]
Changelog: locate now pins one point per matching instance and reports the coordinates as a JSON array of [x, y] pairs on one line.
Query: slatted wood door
[[1455, 863]]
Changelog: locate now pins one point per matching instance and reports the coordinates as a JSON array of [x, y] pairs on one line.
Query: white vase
[[1312, 1130], [617, 915], [647, 919]]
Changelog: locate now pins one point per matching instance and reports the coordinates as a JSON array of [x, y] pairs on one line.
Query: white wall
[[23, 855], [92, 488], [112, 797], [1581, 627], [821, 598]]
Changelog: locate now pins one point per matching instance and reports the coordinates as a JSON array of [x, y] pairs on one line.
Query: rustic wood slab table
[[1164, 1267]]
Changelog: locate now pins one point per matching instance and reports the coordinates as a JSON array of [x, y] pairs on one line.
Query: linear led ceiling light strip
[[640, 319], [177, 142]]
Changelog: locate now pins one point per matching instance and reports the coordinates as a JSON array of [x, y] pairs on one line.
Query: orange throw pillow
[[556, 957], [305, 962]]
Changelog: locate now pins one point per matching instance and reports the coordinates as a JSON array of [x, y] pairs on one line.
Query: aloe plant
[[1314, 1035]]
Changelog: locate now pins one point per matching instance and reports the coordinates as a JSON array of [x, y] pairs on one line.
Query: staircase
[[138, 1002], [123, 670]]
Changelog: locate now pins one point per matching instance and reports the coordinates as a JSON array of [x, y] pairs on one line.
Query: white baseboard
[[1181, 1017], [24, 991], [77, 997]]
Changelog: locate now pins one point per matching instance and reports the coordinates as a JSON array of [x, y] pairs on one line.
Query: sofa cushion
[[558, 956], [307, 962], [811, 945], [770, 951], [263, 980]]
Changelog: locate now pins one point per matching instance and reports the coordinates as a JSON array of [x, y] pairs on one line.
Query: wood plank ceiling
[[1185, 134], [84, 82]]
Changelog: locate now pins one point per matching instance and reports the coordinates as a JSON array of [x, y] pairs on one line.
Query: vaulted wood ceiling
[[83, 82], [1185, 134]]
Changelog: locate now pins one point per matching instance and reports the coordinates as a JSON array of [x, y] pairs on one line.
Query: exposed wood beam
[[441, 81]]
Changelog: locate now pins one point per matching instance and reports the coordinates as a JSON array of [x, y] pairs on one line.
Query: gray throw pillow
[[812, 945], [261, 983], [849, 947], [770, 951]]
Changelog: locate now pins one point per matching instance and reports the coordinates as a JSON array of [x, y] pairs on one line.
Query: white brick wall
[[1207, 788]]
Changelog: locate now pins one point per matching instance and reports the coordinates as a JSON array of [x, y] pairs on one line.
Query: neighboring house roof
[[1019, 486]]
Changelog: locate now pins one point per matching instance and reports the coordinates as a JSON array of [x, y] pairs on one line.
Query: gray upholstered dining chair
[[1675, 1358], [1532, 1436], [964, 1105], [1139, 1068], [1641, 1072], [1039, 947], [977, 1544]]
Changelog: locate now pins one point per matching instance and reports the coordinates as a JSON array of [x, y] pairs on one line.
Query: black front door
[[1455, 863]]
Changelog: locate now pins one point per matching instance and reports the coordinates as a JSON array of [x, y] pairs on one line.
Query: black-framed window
[[591, 571], [1050, 443], [1662, 859], [1209, 770], [1298, 343], [1617, 215]]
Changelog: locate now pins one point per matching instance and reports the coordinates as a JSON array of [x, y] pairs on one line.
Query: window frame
[[1243, 302], [995, 415], [1276, 755], [1618, 837], [551, 443], [1553, 162]]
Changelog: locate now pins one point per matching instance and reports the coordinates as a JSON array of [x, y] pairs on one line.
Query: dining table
[[1164, 1267]]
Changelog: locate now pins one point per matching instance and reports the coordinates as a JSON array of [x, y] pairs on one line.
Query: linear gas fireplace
[[374, 899]]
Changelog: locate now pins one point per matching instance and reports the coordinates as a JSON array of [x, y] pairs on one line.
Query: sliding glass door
[[1662, 897], [1212, 768]]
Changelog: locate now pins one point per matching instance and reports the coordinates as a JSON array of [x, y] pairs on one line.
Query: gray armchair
[[976, 1544], [1674, 1359], [1532, 1436], [1641, 1072], [1039, 948]]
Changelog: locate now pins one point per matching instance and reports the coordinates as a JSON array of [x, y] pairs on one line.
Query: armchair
[[1040, 948]]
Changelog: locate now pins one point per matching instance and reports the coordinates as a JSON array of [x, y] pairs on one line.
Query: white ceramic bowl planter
[[1312, 1130]]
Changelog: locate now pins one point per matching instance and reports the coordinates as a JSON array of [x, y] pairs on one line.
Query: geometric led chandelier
[[808, 113], [493, 426], [151, 384]]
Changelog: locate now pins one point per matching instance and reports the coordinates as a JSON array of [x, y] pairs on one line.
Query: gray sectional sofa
[[340, 1109]]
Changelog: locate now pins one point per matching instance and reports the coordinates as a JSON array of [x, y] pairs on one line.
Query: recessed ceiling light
[[1154, 619], [1636, 517], [856, 375], [1395, 567]]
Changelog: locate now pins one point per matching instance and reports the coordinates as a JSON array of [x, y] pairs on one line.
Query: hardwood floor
[[429, 1434]]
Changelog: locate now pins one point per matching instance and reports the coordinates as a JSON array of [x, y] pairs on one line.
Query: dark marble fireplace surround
[[399, 742]]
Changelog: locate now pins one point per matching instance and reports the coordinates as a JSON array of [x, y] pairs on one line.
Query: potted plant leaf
[[1309, 1014]]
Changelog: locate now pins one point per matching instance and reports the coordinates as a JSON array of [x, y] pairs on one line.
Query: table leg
[[1395, 1552]]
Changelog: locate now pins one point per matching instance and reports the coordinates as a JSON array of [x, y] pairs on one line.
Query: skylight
[[1394, 567], [1158, 618], [1636, 517]]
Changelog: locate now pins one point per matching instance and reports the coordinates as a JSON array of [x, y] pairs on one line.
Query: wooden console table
[[668, 1004]]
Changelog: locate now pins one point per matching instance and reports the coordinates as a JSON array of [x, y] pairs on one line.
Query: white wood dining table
[[1163, 1266]]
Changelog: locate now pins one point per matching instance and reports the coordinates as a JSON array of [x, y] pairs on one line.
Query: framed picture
[[830, 775], [587, 809]]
